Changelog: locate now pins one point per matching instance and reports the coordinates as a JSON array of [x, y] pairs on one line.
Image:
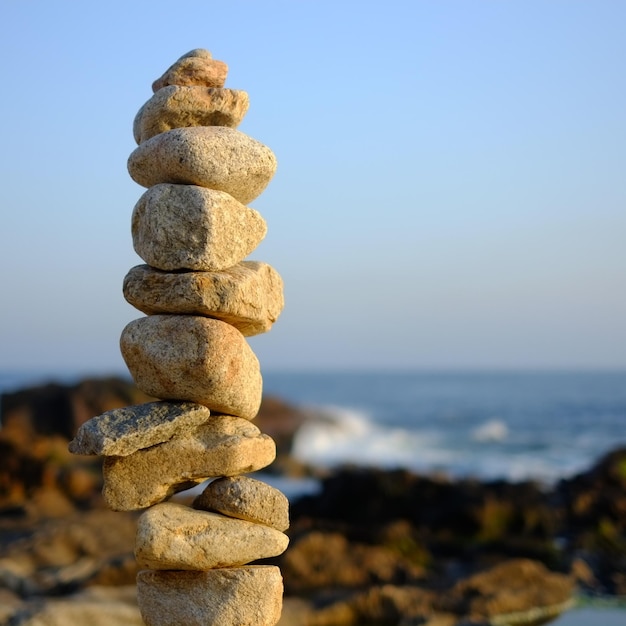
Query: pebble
[[223, 446], [215, 157], [172, 536], [181, 107], [121, 432], [248, 296], [195, 358], [237, 596], [177, 227], [246, 498], [197, 67]]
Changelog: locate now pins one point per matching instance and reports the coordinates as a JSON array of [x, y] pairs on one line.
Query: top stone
[[197, 67]]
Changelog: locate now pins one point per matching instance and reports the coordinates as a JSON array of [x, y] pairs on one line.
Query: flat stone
[[223, 446], [246, 498], [121, 432], [215, 157], [178, 227], [248, 296], [180, 107], [175, 537], [238, 596], [197, 67], [176, 357]]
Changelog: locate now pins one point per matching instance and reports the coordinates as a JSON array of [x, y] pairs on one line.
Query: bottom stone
[[236, 596]]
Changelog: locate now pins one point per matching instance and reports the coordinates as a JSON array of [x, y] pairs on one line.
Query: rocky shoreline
[[373, 547]]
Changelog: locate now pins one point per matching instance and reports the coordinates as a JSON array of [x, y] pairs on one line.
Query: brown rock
[[247, 499], [241, 596], [194, 358], [174, 537], [180, 107], [519, 588], [215, 157], [121, 432], [328, 560], [178, 227], [194, 68], [248, 296], [223, 446]]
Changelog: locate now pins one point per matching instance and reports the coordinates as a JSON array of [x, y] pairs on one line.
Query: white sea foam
[[345, 436], [492, 430]]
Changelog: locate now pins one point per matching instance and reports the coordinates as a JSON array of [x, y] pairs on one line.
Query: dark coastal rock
[[595, 521], [454, 517]]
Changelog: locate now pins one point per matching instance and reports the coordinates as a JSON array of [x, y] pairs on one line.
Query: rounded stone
[[246, 498], [181, 107], [215, 157], [172, 536], [185, 357], [248, 296], [178, 227], [234, 596], [194, 68]]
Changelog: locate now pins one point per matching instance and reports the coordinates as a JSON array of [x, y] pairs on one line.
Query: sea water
[[488, 425]]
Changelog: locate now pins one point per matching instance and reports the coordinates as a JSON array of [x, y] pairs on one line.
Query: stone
[[215, 157], [172, 536], [197, 67], [180, 107], [121, 432], [199, 359], [177, 227], [248, 296], [223, 446], [239, 596], [246, 498]]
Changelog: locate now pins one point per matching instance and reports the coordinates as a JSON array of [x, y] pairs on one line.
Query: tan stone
[[223, 446], [248, 296], [121, 432], [180, 107], [246, 498], [174, 536], [215, 157], [239, 596], [189, 227], [194, 358], [194, 68]]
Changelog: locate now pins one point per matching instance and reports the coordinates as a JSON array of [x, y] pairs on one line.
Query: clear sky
[[451, 187]]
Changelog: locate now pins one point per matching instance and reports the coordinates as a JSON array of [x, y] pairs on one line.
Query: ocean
[[489, 425]]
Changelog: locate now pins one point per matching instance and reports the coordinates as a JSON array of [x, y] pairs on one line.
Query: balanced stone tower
[[201, 299]]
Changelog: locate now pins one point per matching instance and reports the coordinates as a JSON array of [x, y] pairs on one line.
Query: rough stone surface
[[175, 537], [178, 227], [246, 498], [199, 359], [121, 432], [223, 446], [248, 296], [240, 596], [180, 107], [197, 67], [215, 157]]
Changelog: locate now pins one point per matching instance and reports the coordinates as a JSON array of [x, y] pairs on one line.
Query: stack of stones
[[193, 229]]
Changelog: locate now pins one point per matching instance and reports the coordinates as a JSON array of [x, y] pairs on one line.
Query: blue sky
[[450, 190]]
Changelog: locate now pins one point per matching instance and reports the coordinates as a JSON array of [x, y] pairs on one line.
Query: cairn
[[201, 299]]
